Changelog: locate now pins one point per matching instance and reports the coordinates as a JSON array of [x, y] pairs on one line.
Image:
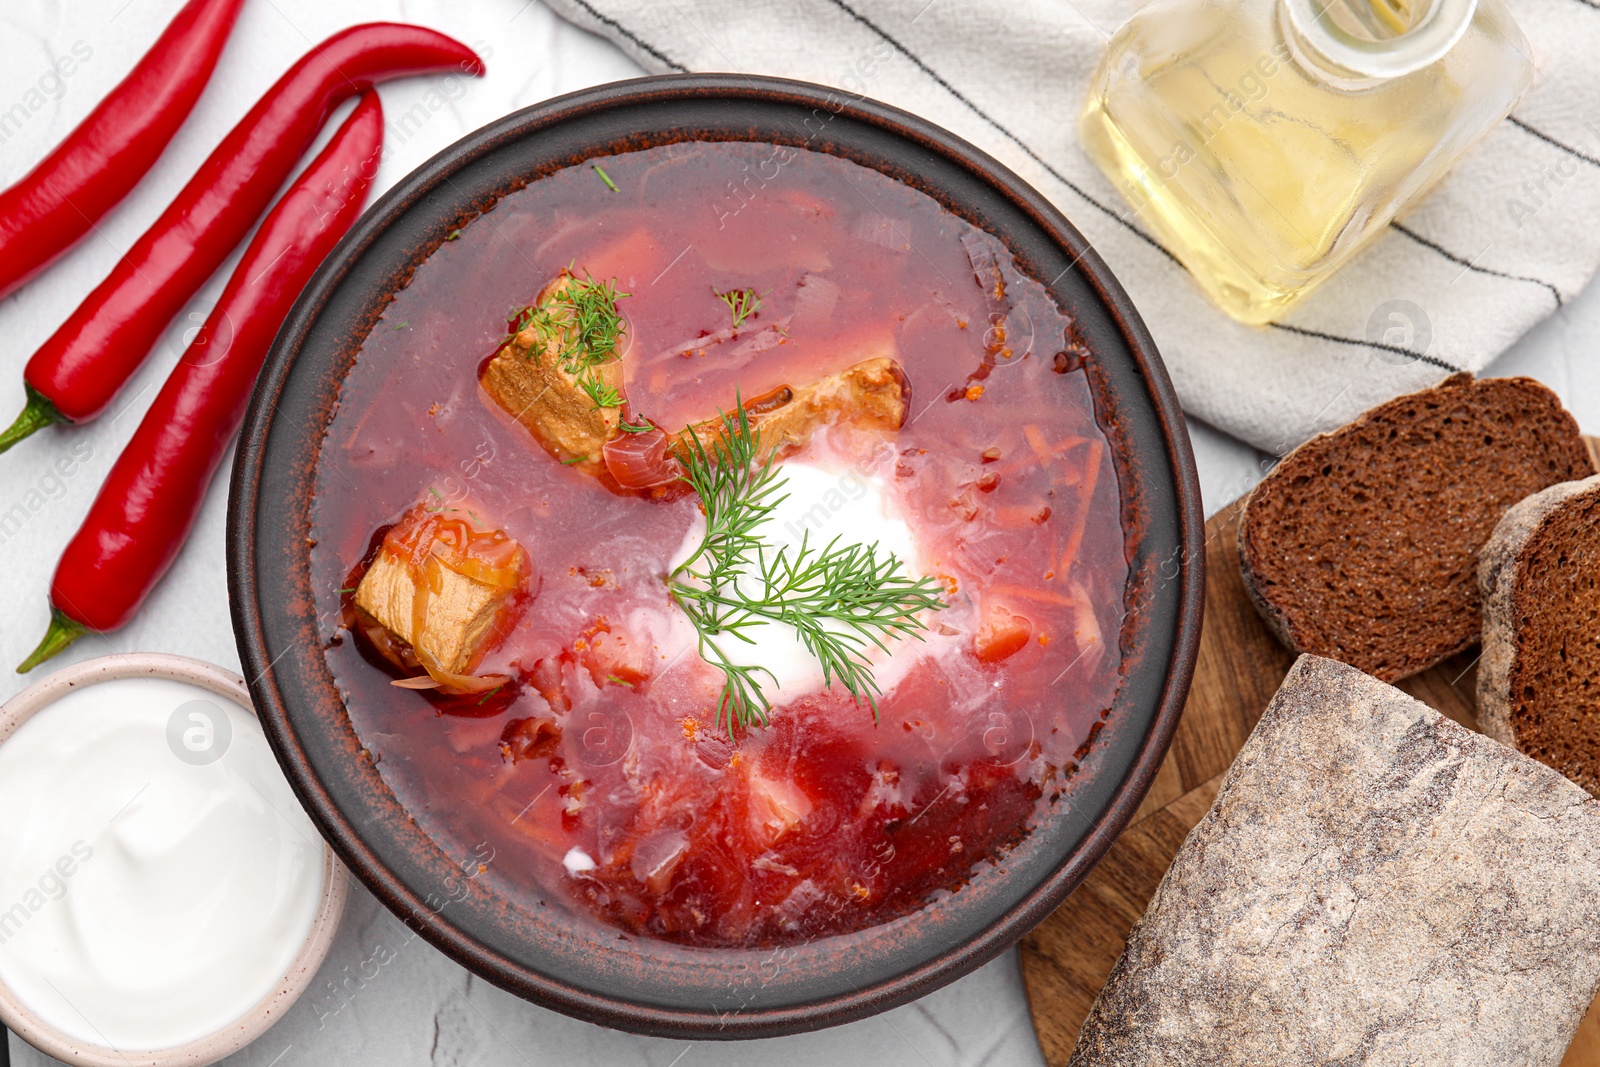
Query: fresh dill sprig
[[604, 177], [547, 328], [742, 700], [582, 323], [737, 495], [741, 302], [645, 426], [603, 394], [590, 312], [842, 600]]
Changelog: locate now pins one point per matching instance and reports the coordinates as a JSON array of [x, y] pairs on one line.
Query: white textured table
[[419, 1008]]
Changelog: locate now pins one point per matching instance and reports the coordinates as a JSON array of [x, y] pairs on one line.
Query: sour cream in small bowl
[[163, 896]]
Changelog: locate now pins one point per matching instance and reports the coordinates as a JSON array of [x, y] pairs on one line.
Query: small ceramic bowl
[[269, 1009]]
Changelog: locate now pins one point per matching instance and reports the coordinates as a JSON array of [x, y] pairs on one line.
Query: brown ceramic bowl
[[542, 953]]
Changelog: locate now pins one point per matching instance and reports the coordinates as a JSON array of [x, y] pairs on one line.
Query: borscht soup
[[720, 542]]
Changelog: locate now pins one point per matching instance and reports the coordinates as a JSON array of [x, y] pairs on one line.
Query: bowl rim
[[235, 1034], [245, 507]]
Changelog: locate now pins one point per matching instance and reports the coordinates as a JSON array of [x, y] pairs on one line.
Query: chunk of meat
[[440, 592], [872, 394], [533, 379]]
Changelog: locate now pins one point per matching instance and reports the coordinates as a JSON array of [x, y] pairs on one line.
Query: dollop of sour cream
[[821, 504], [157, 876]]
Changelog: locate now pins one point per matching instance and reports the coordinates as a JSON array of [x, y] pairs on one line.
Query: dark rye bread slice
[[1539, 678], [1362, 544], [1374, 885]]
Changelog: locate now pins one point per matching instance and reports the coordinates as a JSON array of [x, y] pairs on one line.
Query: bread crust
[[1276, 621], [1500, 570]]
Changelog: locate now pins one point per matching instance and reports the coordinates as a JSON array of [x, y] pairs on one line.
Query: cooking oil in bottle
[[1266, 141]]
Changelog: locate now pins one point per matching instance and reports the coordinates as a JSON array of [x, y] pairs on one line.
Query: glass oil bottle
[[1264, 142]]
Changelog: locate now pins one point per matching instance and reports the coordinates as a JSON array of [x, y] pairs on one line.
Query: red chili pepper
[[79, 370], [101, 161], [150, 499]]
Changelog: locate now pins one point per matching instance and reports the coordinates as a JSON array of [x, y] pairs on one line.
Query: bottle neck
[[1356, 43]]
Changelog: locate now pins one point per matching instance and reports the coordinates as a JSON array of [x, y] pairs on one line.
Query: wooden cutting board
[[1065, 960]]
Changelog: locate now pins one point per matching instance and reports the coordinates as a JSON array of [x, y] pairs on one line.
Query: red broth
[[604, 748]]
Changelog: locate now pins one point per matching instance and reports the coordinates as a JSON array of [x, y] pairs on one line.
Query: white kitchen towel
[[1508, 236]]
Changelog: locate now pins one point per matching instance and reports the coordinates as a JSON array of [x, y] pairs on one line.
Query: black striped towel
[[1503, 241]]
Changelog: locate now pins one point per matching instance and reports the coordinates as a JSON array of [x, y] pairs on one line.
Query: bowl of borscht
[[716, 557]]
